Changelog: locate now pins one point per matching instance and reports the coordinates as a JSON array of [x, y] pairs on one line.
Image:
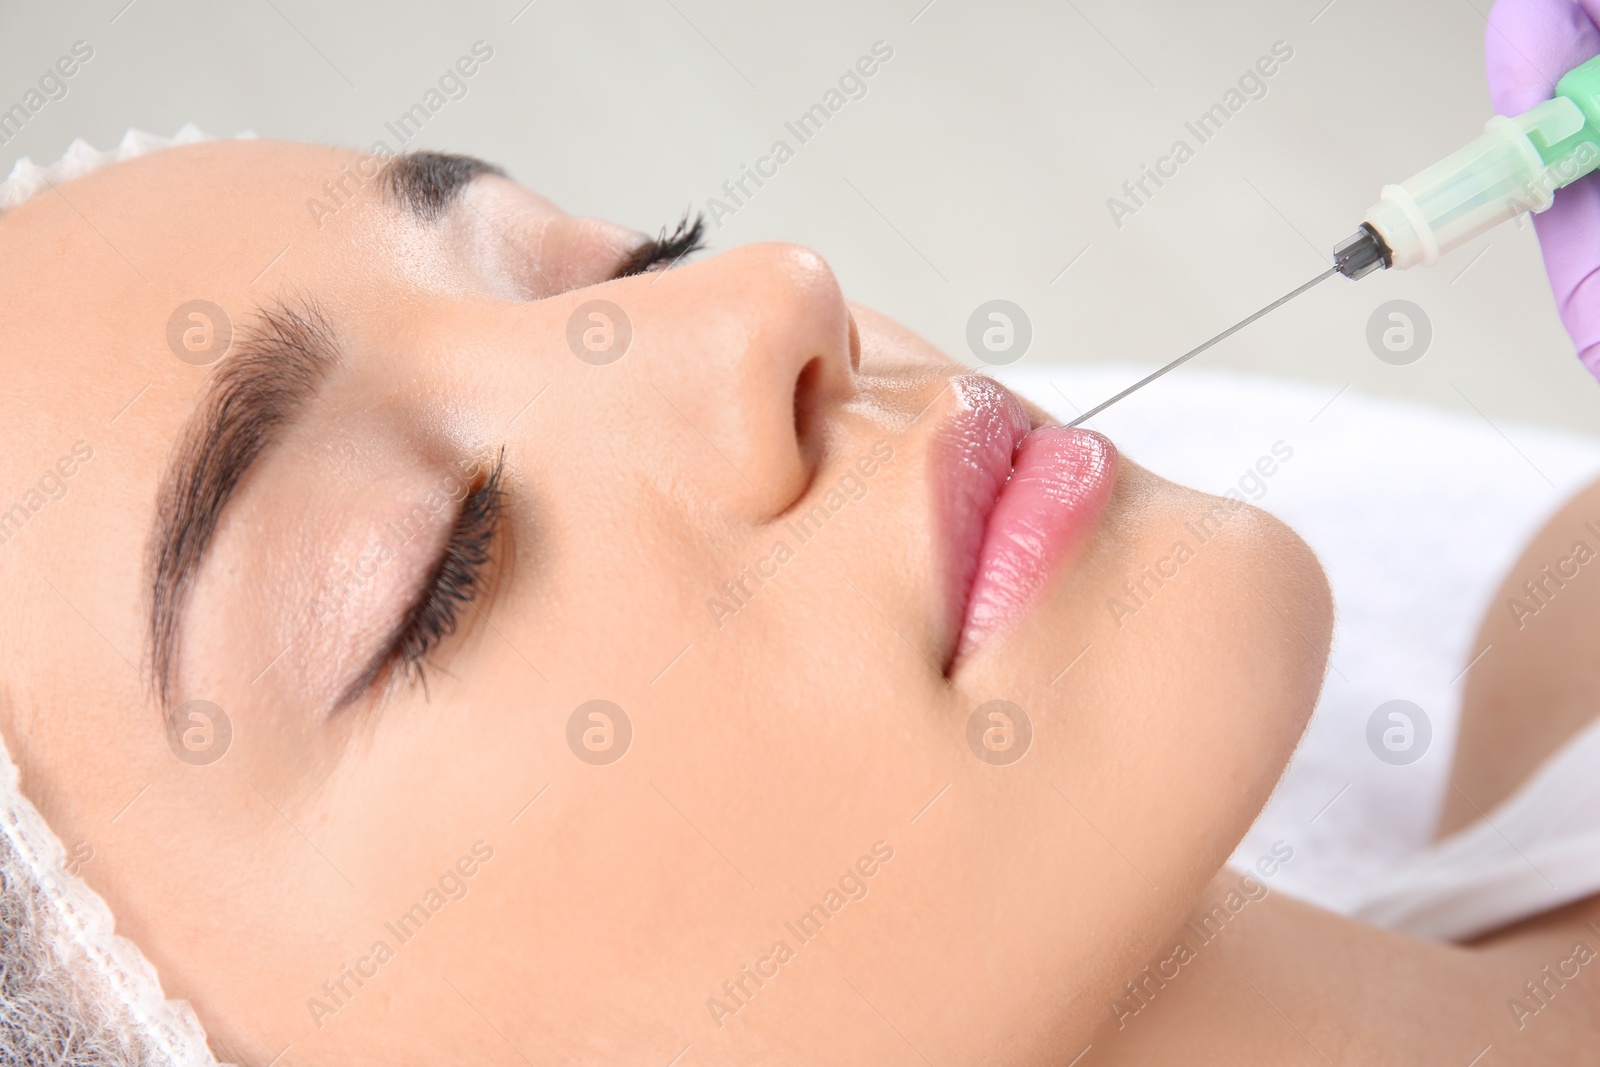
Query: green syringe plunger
[[1515, 166]]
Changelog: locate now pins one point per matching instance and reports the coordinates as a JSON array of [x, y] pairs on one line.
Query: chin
[[1185, 645]]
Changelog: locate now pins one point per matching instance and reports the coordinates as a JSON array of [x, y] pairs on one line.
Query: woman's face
[[434, 501]]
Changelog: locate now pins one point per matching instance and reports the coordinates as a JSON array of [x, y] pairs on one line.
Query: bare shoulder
[[1538, 683]]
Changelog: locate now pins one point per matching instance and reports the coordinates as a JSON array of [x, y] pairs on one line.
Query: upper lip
[[974, 447]]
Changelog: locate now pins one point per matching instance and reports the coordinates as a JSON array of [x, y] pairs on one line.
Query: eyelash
[[685, 238], [456, 581]]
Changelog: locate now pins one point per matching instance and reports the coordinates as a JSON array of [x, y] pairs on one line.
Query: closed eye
[[665, 250], [456, 580]]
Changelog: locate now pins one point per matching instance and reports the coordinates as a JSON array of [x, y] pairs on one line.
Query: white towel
[[1537, 851]]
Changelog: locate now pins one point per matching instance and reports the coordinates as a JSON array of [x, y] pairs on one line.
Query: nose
[[764, 347]]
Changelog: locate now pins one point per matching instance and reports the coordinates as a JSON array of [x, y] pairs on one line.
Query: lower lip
[[1018, 504]]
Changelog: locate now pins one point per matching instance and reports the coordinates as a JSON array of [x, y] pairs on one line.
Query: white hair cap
[[71, 990], [27, 177]]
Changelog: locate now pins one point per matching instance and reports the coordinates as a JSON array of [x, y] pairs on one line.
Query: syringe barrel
[[1515, 166]]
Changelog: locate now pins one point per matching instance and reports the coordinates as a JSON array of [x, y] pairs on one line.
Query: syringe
[[1515, 166]]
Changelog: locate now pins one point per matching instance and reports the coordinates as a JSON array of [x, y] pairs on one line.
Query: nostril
[[807, 392], [805, 389], [855, 344]]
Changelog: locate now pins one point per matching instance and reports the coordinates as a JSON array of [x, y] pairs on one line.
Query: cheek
[[770, 753]]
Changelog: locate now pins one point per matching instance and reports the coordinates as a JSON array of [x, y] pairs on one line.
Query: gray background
[[977, 166]]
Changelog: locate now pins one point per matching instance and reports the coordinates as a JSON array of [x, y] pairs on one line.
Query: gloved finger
[[1569, 240], [1530, 44]]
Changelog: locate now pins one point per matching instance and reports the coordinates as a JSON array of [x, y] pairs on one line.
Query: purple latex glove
[[1529, 45]]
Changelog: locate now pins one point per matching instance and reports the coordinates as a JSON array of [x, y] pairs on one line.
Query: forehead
[[261, 178], [101, 275], [93, 271], [176, 224], [234, 218]]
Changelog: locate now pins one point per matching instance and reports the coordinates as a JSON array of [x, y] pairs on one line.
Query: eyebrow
[[428, 183], [282, 359]]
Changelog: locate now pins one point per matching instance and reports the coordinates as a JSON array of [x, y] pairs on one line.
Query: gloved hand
[[1529, 45]]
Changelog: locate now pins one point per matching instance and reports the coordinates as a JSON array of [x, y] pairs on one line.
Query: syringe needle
[[1230, 331]]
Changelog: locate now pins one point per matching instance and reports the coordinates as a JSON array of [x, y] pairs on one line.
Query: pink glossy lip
[[1014, 503]]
